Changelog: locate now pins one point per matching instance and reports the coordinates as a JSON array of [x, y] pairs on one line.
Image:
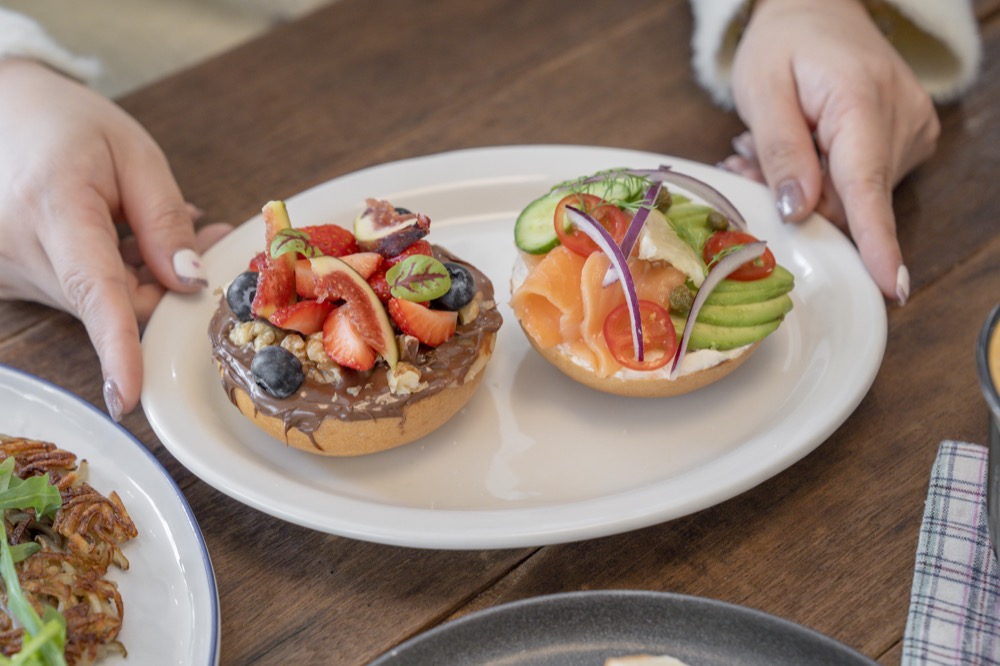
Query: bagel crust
[[336, 437], [655, 386], [342, 412]]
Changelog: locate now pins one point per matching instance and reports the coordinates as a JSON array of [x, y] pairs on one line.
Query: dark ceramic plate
[[992, 396], [584, 628]]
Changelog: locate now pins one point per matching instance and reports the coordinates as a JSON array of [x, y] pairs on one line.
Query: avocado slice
[[734, 292], [722, 338], [746, 314]]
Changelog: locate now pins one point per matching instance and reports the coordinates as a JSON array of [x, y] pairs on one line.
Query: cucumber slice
[[535, 230]]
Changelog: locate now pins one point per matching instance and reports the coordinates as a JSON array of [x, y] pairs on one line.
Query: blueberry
[[463, 288], [240, 295], [277, 371]]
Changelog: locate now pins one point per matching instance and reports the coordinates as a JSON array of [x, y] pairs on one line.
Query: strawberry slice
[[417, 247], [331, 239], [379, 284], [258, 262], [306, 317], [343, 343], [431, 327]]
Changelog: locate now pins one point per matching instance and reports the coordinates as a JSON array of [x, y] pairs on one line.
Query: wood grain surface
[[829, 543]]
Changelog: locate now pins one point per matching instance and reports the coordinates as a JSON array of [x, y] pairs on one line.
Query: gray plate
[[583, 628], [992, 397]]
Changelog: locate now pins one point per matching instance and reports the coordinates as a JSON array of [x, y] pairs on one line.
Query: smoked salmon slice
[[548, 301], [562, 301]]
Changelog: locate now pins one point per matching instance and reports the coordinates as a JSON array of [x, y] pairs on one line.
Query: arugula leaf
[[51, 632], [23, 551], [36, 492], [44, 640]]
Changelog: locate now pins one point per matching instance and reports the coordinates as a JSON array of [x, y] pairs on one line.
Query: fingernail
[[113, 399], [790, 200], [902, 285], [729, 164], [743, 146], [187, 266], [195, 212]]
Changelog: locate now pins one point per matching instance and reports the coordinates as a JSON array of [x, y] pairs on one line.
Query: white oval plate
[[534, 458], [169, 593]]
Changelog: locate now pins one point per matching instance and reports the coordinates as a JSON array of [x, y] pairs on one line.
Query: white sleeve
[[939, 39], [22, 37]]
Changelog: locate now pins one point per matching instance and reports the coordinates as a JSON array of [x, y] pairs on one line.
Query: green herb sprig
[[44, 640]]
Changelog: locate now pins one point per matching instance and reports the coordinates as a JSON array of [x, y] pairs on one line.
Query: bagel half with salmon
[[644, 282]]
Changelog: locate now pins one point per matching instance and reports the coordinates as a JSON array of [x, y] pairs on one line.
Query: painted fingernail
[[790, 200], [113, 399], [902, 284], [187, 266], [743, 146]]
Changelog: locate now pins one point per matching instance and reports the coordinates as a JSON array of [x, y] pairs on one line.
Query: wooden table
[[829, 543]]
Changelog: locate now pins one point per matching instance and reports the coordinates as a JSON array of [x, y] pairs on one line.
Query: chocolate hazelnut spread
[[359, 395]]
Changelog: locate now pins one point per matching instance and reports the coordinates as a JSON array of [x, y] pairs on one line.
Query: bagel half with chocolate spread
[[632, 288], [345, 343]]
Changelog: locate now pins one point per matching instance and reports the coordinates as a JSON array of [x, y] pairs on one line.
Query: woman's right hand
[[836, 119]]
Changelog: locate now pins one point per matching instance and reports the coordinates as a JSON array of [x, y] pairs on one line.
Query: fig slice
[[388, 230], [331, 279], [276, 278]]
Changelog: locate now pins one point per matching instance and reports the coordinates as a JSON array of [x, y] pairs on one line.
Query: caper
[[663, 200], [717, 221], [681, 299]]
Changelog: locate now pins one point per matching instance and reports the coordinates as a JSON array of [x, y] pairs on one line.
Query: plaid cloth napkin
[[955, 601]]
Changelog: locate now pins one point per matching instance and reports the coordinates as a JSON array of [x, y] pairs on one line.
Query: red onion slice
[[634, 228], [699, 188], [597, 233], [719, 272]]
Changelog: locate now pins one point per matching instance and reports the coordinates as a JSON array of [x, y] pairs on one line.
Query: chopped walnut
[[316, 364], [314, 349], [294, 343], [404, 379], [409, 348], [471, 310], [258, 332], [241, 334]]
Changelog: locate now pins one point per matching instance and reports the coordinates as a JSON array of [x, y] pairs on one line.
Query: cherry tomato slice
[[610, 216], [759, 268], [659, 339]]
